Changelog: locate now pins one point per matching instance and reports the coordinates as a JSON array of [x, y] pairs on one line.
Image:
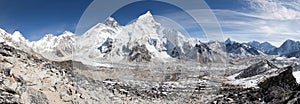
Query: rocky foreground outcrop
[[280, 89], [14, 87], [256, 69], [31, 79]]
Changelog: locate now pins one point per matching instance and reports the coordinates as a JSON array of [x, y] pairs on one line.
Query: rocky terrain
[[280, 89], [30, 78]]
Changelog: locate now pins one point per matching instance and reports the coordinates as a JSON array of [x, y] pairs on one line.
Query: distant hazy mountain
[[265, 47], [241, 49], [289, 46]]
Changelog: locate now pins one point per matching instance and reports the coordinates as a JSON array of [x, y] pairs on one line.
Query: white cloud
[[275, 9], [273, 21], [267, 20], [206, 29]]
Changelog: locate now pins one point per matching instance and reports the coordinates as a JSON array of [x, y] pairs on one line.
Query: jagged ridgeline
[[144, 40]]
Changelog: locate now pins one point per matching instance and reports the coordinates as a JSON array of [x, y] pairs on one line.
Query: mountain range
[[288, 48], [144, 40]]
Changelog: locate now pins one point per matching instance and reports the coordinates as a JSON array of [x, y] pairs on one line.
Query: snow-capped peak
[[48, 37], [67, 34], [228, 41], [55, 47], [4, 34], [17, 36], [20, 40], [2, 31], [147, 17], [111, 22], [53, 38]]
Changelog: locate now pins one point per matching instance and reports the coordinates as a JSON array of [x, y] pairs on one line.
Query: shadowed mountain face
[[284, 80], [293, 54], [278, 89], [256, 69], [241, 49]]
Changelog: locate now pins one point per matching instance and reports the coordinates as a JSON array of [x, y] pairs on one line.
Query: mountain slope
[[257, 69], [89, 46], [254, 74], [55, 47], [293, 54]]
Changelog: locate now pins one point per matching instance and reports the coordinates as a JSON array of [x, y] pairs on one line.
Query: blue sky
[[241, 20], [161, 11], [35, 18]]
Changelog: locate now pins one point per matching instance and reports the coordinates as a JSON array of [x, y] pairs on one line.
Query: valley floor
[[177, 82]]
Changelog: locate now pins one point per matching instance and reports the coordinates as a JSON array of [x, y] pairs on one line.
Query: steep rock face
[[256, 69], [205, 54], [106, 47], [278, 89], [139, 54], [284, 80]]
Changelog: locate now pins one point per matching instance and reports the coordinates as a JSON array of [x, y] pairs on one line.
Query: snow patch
[[296, 74]]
